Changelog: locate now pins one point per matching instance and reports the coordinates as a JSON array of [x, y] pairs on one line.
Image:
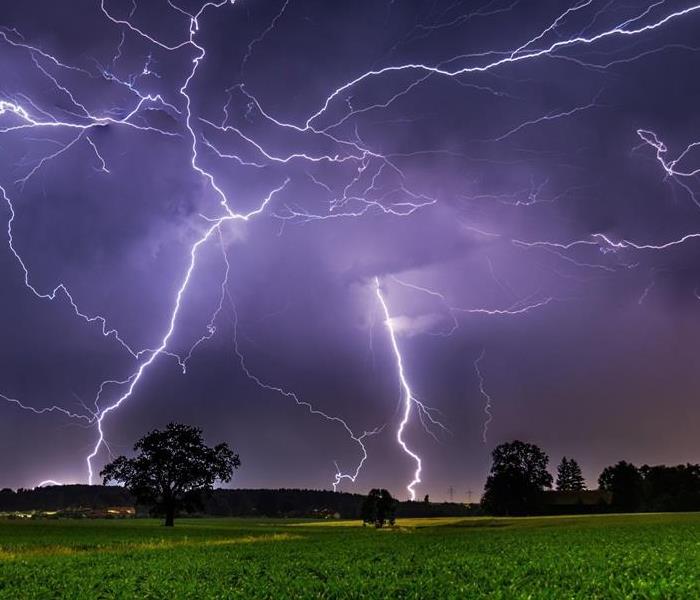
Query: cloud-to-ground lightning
[[408, 399], [215, 226], [173, 317], [326, 149]]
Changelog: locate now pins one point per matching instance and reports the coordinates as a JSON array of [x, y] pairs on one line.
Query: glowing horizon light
[[48, 482]]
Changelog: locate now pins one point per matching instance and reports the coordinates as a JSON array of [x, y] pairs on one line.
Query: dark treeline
[[221, 502], [652, 489], [519, 483], [58, 497], [312, 503], [282, 503]]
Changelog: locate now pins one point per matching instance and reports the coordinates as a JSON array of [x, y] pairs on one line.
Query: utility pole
[[452, 494], [469, 496]]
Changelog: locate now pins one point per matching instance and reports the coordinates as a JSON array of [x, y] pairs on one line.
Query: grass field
[[629, 556]]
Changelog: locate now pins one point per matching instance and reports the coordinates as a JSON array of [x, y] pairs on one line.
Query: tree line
[[519, 481], [174, 471], [278, 503]]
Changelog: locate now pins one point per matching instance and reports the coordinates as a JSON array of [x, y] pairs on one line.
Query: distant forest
[[222, 502], [623, 487], [519, 483]]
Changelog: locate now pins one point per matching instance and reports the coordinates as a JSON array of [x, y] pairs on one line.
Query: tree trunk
[[169, 515]]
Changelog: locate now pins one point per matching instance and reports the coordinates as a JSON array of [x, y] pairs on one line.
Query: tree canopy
[[379, 507], [625, 481], [171, 467], [569, 477], [518, 475], [671, 488]]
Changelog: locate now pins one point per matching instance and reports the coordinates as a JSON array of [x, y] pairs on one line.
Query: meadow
[[611, 556]]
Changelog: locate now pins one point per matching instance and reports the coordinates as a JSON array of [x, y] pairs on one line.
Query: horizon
[[589, 485]]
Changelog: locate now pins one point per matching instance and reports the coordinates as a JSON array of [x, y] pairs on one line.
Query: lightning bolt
[[29, 122], [520, 54], [136, 377], [408, 399], [47, 410], [520, 307], [377, 185], [671, 168], [359, 440], [482, 390]]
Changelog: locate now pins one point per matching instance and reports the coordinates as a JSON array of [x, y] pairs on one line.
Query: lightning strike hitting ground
[[408, 399], [326, 149]]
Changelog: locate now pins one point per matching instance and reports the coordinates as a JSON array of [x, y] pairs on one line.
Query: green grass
[[629, 556]]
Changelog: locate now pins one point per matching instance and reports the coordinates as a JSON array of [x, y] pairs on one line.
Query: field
[[629, 556]]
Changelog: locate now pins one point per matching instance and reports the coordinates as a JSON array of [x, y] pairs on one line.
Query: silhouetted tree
[[518, 476], [172, 467], [624, 481], [671, 488], [569, 477], [378, 508], [368, 511], [426, 500]]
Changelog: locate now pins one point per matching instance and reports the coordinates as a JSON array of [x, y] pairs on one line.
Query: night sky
[[200, 200]]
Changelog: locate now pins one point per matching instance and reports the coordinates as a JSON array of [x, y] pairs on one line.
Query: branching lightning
[[377, 183], [408, 398], [488, 405]]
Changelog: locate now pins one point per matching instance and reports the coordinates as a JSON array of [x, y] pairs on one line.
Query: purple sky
[[514, 175]]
